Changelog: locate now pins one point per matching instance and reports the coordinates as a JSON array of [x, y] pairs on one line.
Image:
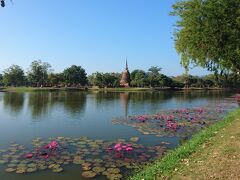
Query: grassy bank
[[31, 89], [131, 89], [166, 166]]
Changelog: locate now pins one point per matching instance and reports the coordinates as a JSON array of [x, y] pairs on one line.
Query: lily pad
[[89, 174], [134, 139], [10, 170], [113, 170], [99, 169], [57, 170], [21, 170], [31, 170]]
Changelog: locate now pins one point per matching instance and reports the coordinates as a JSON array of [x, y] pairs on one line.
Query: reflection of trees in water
[[74, 102], [199, 94], [149, 97], [13, 101], [42, 102], [146, 101], [38, 103]]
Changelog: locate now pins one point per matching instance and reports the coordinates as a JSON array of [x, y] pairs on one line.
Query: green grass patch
[[169, 162], [121, 89]]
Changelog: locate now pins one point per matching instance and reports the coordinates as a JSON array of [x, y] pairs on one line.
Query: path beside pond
[[218, 158]]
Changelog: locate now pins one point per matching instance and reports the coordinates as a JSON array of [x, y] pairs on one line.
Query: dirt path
[[217, 159]]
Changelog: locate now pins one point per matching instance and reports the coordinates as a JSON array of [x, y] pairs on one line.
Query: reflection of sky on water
[[73, 114]]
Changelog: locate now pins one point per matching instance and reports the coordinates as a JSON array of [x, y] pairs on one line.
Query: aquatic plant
[[96, 157], [182, 122]]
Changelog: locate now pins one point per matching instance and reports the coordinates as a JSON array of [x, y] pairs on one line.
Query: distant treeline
[[40, 74]]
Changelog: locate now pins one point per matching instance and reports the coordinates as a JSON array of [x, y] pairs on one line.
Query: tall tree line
[[40, 74]]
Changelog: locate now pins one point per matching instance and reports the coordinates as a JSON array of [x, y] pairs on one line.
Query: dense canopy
[[208, 33]]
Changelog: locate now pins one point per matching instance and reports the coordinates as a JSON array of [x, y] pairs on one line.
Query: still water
[[25, 116]]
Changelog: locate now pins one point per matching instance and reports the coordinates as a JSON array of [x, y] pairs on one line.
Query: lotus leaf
[[10, 170], [113, 170], [134, 139], [31, 170], [89, 174], [57, 170], [99, 169]]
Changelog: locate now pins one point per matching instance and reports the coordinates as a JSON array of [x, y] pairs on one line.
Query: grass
[[130, 89], [166, 166], [31, 89]]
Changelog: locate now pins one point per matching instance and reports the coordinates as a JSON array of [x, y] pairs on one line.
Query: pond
[[105, 135]]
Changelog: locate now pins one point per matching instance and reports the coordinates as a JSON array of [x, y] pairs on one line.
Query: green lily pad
[[98, 169], [31, 170], [113, 170], [57, 170], [89, 174], [21, 170], [134, 139], [12, 165], [10, 170]]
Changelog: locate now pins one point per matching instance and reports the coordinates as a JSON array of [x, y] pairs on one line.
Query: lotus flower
[[52, 145], [29, 155]]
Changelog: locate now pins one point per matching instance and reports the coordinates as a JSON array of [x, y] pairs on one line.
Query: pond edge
[[166, 165]]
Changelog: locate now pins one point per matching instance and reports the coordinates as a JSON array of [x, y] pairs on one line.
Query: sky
[[95, 34]]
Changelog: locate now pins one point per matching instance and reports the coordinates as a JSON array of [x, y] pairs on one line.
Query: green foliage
[[165, 166], [13, 76], [139, 78], [104, 79], [55, 79], [208, 33], [75, 75], [38, 73], [1, 80]]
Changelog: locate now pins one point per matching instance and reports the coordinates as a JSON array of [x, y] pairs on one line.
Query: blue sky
[[96, 34]]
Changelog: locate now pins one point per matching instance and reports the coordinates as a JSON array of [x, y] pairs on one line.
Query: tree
[[2, 3], [1, 79], [13, 76], [104, 79], [55, 79], [208, 33], [75, 75], [38, 73], [138, 78], [155, 70], [153, 76]]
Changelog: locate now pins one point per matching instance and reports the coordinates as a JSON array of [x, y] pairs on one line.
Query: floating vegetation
[[95, 157], [112, 159], [181, 122]]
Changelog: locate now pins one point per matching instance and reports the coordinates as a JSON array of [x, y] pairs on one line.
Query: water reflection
[[124, 98], [38, 103], [74, 102], [14, 102], [42, 103]]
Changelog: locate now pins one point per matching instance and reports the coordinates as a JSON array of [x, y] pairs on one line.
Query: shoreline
[[165, 167], [131, 89]]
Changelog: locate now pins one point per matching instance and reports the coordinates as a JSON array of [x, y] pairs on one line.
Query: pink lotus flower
[[52, 145], [29, 155], [46, 157], [129, 149], [117, 145]]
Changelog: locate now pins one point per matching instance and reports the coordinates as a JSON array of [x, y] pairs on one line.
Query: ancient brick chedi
[[125, 79]]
